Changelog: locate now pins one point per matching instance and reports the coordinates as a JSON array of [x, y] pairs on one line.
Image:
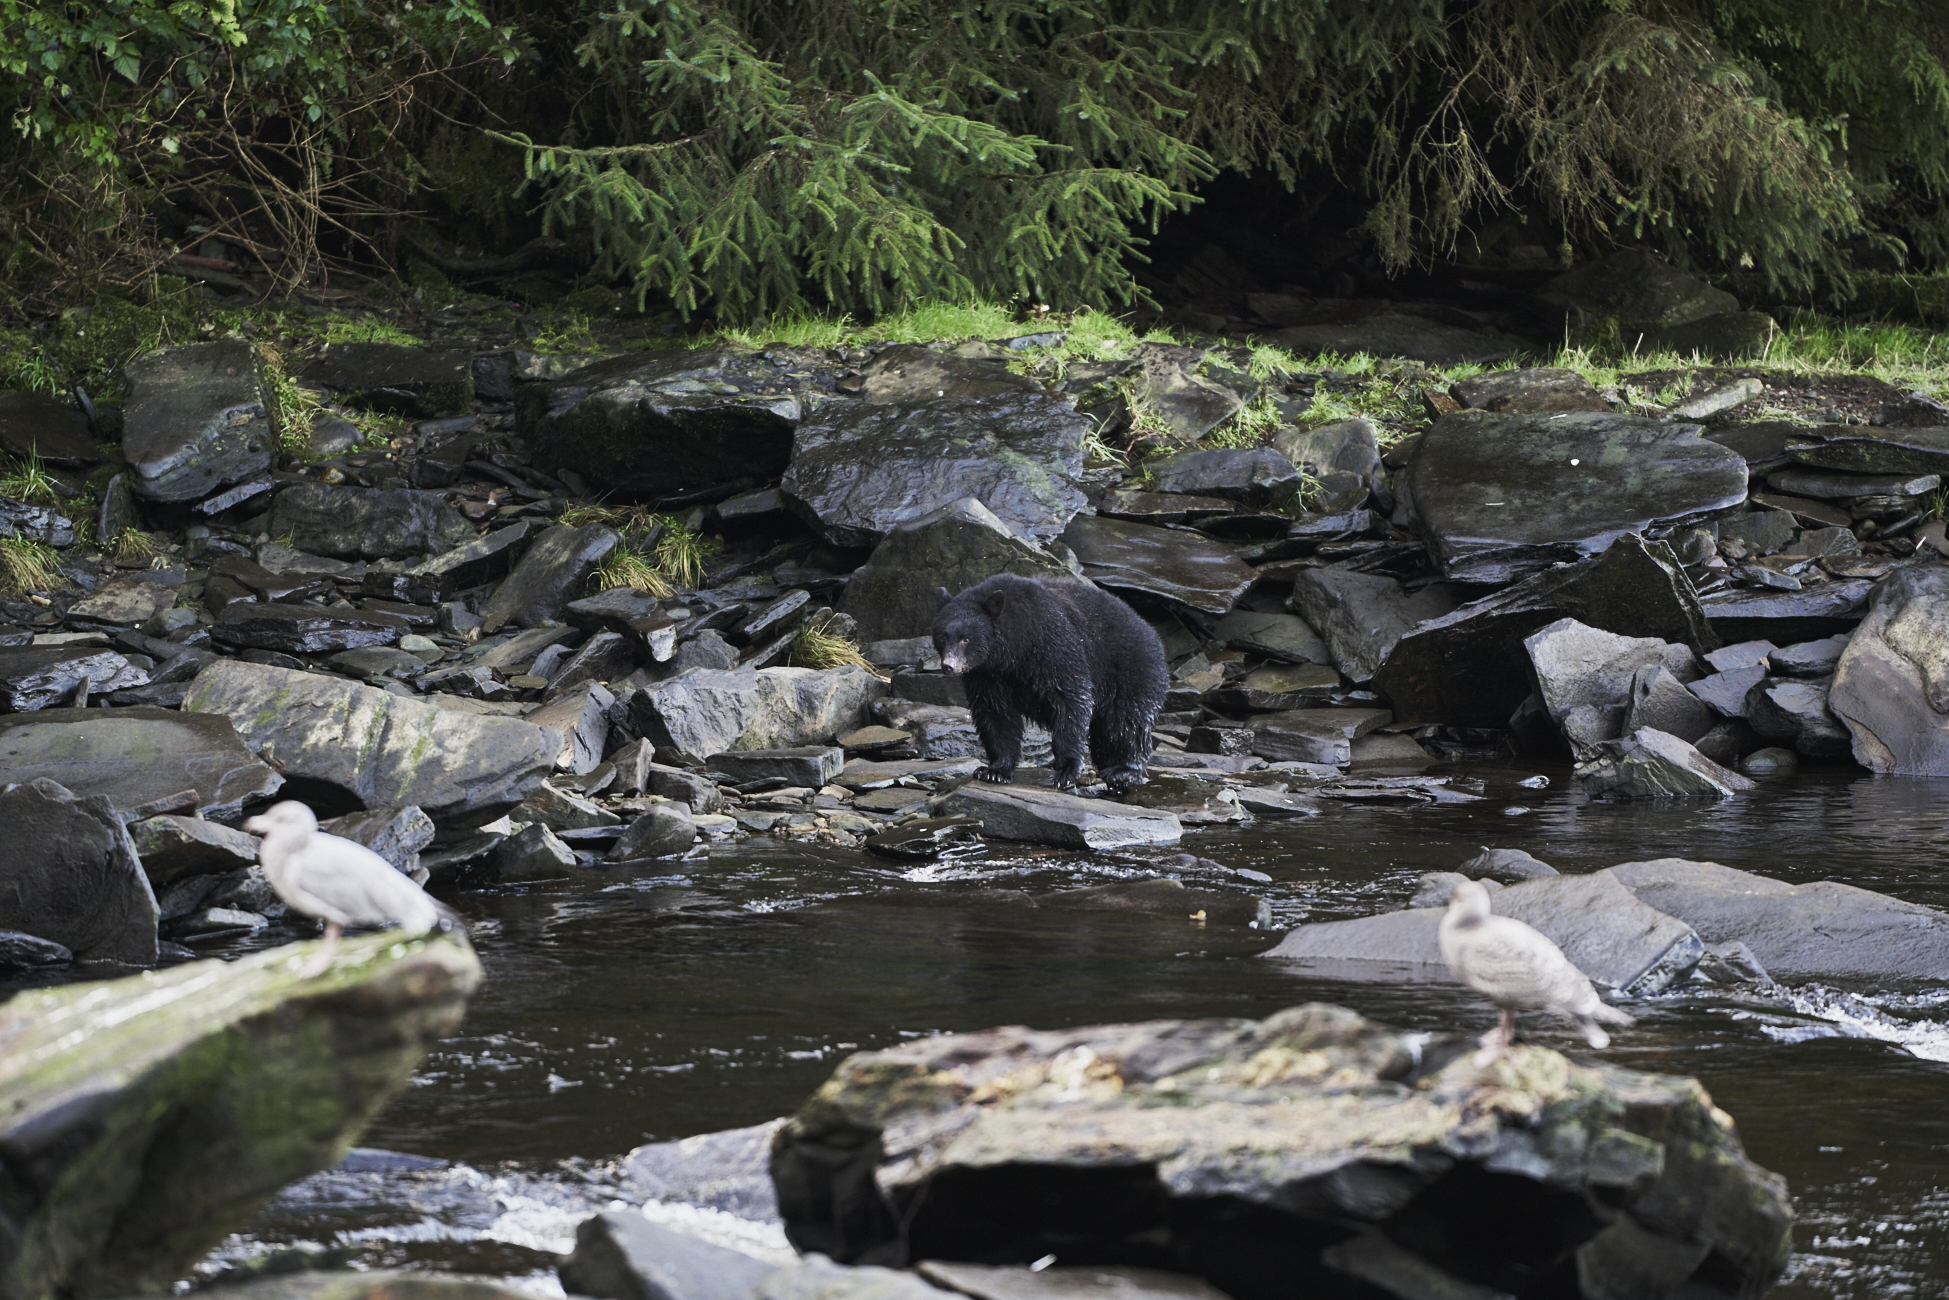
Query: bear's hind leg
[[1121, 745], [1069, 736]]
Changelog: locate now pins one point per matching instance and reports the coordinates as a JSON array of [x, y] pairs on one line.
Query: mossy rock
[[146, 1118]]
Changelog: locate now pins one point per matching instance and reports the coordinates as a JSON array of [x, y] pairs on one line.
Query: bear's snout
[[955, 657]]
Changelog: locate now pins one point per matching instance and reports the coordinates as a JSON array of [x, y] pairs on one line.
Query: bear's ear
[[994, 604], [944, 596]]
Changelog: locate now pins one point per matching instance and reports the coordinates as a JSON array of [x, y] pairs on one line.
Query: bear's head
[[965, 635]]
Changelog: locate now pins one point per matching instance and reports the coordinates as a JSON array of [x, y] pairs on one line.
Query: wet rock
[[418, 383], [1728, 336], [900, 1151], [304, 629], [1255, 476], [377, 663], [1059, 1282], [35, 677], [550, 573], [381, 750], [1362, 615], [1176, 566], [532, 853], [1819, 931], [1639, 290], [52, 428], [1832, 486], [1771, 761], [1284, 637], [136, 756], [859, 471], [1162, 507], [1784, 617], [707, 711], [1621, 943], [1506, 865], [1469, 668], [1531, 390], [485, 558], [163, 1110], [1861, 450], [122, 602], [620, 1255], [811, 766], [1502, 497], [366, 523], [171, 847], [1649, 764], [581, 715], [395, 834], [1277, 688], [20, 951], [818, 1278], [1042, 816], [71, 876], [1807, 658], [1891, 686], [1577, 666], [1343, 459], [728, 1170], [35, 523], [117, 513], [892, 595], [1744, 655], [662, 424], [926, 839], [1764, 532], [666, 829], [1662, 702], [195, 420], [1390, 751], [1393, 334], [1796, 712], [1313, 735]]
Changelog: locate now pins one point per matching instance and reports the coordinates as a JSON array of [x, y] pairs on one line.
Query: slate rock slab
[[1819, 931], [52, 428], [1285, 637], [71, 875], [1502, 497], [395, 834], [550, 573], [305, 629], [1864, 450], [729, 1170], [355, 523], [471, 564], [1254, 476], [811, 766], [1312, 1121], [893, 595], [172, 847], [122, 602], [1577, 666], [34, 677], [711, 711], [195, 420], [1891, 686], [163, 1110], [1468, 668], [35, 523], [418, 383], [1176, 566], [1784, 617], [134, 756], [861, 470], [664, 424], [379, 749], [621, 1253], [666, 829], [1041, 816], [1650, 764], [1362, 616], [1638, 289], [1796, 713], [1542, 388]]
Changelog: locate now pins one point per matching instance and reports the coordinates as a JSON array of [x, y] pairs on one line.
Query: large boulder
[[377, 749], [1622, 944], [1820, 931], [1469, 668], [860, 470], [656, 425], [1891, 686], [1797, 713], [52, 428], [355, 523], [1634, 288], [71, 875], [893, 595], [135, 756], [549, 575], [195, 421], [1501, 497], [419, 383], [1182, 567], [150, 1117], [710, 711], [1649, 764], [1247, 1152], [1362, 615], [1581, 668]]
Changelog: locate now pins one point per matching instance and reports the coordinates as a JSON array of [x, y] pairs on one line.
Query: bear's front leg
[[999, 724]]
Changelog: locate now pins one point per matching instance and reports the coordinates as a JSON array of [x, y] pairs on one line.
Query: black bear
[[1062, 653]]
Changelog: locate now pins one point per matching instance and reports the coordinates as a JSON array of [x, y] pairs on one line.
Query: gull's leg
[[323, 960], [1497, 1040]]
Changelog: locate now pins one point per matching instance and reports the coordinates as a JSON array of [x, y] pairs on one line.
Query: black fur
[[1061, 653]]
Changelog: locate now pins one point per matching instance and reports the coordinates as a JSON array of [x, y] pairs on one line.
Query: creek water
[[623, 1011]]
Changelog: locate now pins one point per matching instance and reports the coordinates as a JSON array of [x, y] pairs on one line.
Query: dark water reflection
[[619, 1012]]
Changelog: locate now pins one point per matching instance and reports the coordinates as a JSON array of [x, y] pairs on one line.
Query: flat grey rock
[[728, 1171], [419, 383], [1255, 476], [305, 629], [550, 574], [1744, 655], [71, 875], [1649, 764], [1808, 658], [195, 420], [1784, 617], [1177, 566], [1726, 691], [1541, 388], [134, 756], [37, 677], [1363, 615], [621, 1255], [1819, 931], [1287, 638], [172, 847], [1859, 449], [1042, 816], [893, 595], [485, 558], [1891, 685], [355, 523], [383, 750], [810, 766], [581, 715], [1831, 485], [1060, 1282], [122, 602], [708, 711], [1501, 497]]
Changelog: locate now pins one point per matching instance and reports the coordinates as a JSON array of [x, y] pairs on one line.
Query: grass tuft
[[818, 646], [27, 565], [28, 480], [625, 568], [135, 548]]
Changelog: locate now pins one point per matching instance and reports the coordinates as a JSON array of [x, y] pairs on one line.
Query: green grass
[[27, 565], [625, 568], [818, 646], [342, 329], [293, 407], [565, 332], [135, 548], [28, 480]]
